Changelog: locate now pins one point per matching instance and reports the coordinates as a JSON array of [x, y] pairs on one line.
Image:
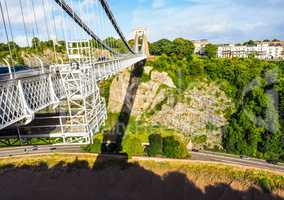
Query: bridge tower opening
[[141, 44]]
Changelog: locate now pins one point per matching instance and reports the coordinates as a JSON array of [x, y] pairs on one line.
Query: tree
[[156, 144], [211, 50], [250, 43], [183, 48], [255, 126], [35, 43], [132, 146], [160, 47], [121, 47], [131, 43], [96, 147], [174, 148]]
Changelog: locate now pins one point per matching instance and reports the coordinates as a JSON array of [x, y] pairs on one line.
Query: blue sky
[[220, 21], [217, 20]]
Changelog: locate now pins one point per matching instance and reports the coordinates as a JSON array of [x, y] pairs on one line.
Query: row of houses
[[262, 50]]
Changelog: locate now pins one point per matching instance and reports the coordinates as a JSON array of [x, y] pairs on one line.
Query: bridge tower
[[141, 41]]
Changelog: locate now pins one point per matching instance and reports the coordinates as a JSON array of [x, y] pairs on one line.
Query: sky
[[220, 21]]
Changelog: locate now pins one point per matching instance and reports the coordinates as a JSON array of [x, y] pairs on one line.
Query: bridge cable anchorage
[[114, 23], [80, 22]]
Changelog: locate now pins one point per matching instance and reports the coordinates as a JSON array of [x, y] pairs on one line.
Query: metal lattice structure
[[63, 101]]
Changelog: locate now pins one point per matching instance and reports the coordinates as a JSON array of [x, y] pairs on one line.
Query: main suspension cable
[[24, 22], [6, 32], [11, 31]]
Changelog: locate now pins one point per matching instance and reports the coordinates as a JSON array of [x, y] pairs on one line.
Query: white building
[[263, 50], [199, 46]]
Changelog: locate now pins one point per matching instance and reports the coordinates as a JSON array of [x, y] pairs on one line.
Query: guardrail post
[[54, 98], [29, 114]]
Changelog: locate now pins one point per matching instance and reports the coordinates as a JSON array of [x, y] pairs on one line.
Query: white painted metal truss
[[70, 88]]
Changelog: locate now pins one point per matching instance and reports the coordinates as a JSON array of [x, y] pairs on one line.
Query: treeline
[[12, 49], [257, 88], [38, 47]]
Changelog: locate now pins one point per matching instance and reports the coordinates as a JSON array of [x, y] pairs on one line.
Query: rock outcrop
[[148, 95], [197, 111]]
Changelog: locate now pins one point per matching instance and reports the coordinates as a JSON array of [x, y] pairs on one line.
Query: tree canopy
[[211, 50], [181, 48], [255, 127]]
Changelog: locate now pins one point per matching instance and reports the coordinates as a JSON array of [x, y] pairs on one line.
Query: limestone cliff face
[[205, 104], [197, 111], [148, 95]]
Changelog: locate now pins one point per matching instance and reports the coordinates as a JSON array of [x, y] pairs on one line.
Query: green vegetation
[[96, 147], [46, 48], [265, 184], [250, 43], [116, 44], [161, 139], [199, 139], [169, 146], [156, 145], [139, 128], [132, 146], [38, 48], [255, 127], [174, 148], [145, 77], [180, 48], [163, 142], [211, 50], [210, 126], [105, 89]]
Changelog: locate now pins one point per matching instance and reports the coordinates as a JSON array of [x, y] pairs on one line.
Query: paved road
[[26, 150], [229, 159], [201, 156]]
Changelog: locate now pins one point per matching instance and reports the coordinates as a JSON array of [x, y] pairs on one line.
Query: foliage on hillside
[[139, 128], [256, 128], [211, 50]]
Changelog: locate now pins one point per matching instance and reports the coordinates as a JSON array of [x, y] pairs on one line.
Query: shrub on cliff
[[132, 146], [174, 148], [96, 146], [156, 145]]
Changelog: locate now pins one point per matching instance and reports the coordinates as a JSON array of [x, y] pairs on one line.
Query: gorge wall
[[198, 112]]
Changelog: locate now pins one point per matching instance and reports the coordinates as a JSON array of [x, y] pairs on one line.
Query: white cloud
[[158, 3], [217, 20]]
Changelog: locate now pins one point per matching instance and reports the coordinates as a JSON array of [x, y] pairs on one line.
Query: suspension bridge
[[59, 97]]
